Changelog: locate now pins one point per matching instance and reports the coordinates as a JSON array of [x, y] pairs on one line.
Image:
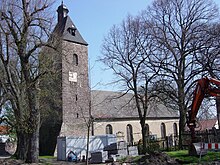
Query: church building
[[74, 103]]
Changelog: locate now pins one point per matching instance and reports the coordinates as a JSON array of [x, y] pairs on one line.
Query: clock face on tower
[[72, 76]]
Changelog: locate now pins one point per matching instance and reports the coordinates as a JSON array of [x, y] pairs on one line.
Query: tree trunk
[[144, 138], [87, 144], [28, 145], [182, 108], [28, 131], [33, 149], [22, 146], [218, 110], [181, 127]]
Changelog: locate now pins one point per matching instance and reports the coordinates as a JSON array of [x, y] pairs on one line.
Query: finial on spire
[[62, 12]]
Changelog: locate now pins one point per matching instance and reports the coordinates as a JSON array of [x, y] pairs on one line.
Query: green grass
[[47, 157], [183, 156], [46, 160]]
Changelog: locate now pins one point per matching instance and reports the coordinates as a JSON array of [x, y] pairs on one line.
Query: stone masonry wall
[[75, 95]]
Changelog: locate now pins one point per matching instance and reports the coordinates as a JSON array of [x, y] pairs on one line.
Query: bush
[[152, 146]]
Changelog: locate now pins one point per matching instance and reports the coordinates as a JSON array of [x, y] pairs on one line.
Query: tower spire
[[62, 12]]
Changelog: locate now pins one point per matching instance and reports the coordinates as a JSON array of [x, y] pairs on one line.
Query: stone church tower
[[66, 95], [75, 83]]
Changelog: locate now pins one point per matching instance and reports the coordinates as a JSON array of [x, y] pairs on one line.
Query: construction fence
[[207, 136], [171, 142]]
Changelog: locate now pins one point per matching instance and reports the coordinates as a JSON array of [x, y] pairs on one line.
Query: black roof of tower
[[66, 28]]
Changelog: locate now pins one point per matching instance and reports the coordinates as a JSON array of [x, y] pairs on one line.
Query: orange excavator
[[205, 87]]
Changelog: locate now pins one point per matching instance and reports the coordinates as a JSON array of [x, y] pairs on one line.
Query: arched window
[[109, 129], [75, 60], [175, 131], [147, 130], [163, 130], [129, 134]]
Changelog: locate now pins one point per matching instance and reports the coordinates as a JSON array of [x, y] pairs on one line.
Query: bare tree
[[176, 28], [24, 29], [209, 56], [127, 50]]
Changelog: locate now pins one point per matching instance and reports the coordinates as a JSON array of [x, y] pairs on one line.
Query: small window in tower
[[75, 59], [72, 30]]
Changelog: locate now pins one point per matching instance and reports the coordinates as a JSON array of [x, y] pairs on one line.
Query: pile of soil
[[157, 158], [160, 158], [8, 161]]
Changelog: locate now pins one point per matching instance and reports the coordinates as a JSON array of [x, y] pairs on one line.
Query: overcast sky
[[93, 19]]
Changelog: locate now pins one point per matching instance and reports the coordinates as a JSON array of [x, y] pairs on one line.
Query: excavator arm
[[205, 87]]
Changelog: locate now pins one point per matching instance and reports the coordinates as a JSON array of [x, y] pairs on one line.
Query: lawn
[[183, 157]]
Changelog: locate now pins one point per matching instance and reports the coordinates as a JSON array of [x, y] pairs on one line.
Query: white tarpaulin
[[78, 144]]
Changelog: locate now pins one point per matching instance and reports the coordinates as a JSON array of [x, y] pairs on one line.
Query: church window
[[109, 129], [163, 130], [75, 60], [175, 132], [129, 134], [147, 130]]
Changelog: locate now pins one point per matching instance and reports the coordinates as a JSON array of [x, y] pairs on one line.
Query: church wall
[[120, 126]]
